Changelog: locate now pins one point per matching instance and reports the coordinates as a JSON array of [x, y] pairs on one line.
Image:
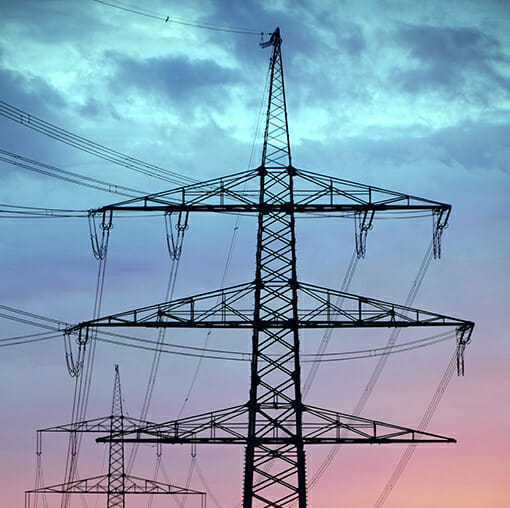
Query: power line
[[161, 17], [391, 347], [33, 122], [33, 319], [25, 337], [246, 356], [327, 334], [36, 337], [231, 247], [209, 353], [427, 416], [32, 212], [82, 370], [65, 175], [175, 251]]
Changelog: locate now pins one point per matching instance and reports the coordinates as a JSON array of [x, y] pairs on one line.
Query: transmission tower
[[275, 425], [116, 477], [115, 484]]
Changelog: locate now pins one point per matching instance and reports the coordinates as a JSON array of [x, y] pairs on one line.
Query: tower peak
[[276, 149]]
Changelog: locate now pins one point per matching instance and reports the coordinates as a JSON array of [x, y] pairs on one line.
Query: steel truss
[[230, 426], [275, 425], [116, 484], [313, 194], [101, 485], [232, 307]]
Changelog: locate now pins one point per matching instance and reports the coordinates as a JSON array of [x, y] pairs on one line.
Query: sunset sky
[[412, 97]]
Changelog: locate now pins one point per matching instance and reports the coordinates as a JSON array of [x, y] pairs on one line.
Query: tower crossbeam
[[132, 485], [313, 193], [233, 308], [230, 426]]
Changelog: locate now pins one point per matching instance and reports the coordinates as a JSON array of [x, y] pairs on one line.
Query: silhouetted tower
[[276, 305], [116, 484], [116, 476], [275, 370]]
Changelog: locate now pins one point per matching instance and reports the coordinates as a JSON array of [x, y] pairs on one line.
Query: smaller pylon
[[116, 475], [116, 483]]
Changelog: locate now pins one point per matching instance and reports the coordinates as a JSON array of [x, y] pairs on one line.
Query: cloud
[[447, 46], [476, 146], [35, 96], [410, 163], [49, 22], [25, 90], [178, 80], [448, 58]]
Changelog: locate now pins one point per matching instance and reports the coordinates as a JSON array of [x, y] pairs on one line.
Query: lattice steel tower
[[275, 425], [116, 483], [116, 475]]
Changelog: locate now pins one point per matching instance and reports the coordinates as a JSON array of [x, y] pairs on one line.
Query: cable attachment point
[[275, 39], [73, 367], [363, 222], [38, 443], [174, 241], [83, 338], [463, 338], [439, 223], [99, 247]]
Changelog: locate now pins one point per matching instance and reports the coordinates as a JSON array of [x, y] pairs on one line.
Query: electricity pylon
[[275, 424], [115, 484]]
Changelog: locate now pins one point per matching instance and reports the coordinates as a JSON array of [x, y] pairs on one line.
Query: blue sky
[[389, 93]]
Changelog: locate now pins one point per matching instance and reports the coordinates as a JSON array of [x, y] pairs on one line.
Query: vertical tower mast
[[276, 150], [275, 474], [116, 476]]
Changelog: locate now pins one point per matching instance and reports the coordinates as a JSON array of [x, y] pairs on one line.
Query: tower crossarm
[[320, 426], [232, 307], [97, 425], [326, 426], [322, 307], [313, 193], [324, 189], [229, 193], [99, 485], [226, 308], [227, 426]]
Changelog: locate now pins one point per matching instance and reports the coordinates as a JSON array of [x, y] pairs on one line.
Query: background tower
[[116, 488], [115, 484]]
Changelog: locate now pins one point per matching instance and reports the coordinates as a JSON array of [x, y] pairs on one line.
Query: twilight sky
[[413, 98]]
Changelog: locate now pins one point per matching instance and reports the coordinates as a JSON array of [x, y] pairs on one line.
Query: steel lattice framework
[[115, 484], [275, 425], [116, 477]]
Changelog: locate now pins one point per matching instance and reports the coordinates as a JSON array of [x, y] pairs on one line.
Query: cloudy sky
[[414, 98]]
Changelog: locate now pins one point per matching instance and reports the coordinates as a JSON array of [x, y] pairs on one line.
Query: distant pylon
[[116, 484], [116, 488]]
